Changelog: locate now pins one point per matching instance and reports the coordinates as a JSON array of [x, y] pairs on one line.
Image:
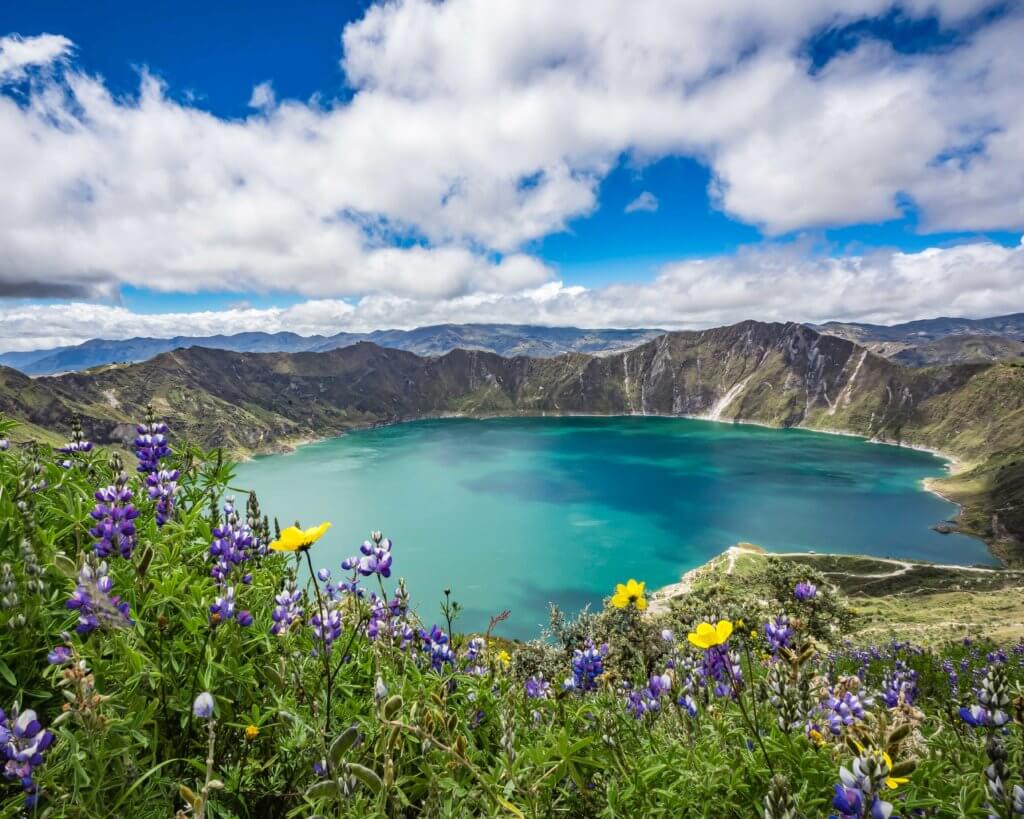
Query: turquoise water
[[513, 513]]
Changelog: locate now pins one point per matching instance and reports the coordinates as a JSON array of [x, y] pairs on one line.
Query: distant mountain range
[[504, 339], [781, 375], [923, 343], [930, 342]]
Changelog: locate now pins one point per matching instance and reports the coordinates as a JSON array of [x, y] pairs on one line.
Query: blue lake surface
[[519, 512]]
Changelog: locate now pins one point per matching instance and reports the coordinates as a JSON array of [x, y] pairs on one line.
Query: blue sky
[[411, 170]]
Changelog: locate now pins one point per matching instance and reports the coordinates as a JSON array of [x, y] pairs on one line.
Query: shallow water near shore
[[516, 512]]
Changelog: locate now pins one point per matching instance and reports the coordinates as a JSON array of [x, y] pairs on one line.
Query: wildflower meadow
[[169, 648]]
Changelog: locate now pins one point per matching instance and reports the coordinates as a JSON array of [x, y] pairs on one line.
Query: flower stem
[[754, 729], [323, 644]]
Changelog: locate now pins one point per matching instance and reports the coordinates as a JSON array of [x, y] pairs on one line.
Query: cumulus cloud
[[781, 282], [476, 128], [18, 54], [646, 201]]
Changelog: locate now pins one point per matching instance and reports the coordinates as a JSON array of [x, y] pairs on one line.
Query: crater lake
[[514, 513]]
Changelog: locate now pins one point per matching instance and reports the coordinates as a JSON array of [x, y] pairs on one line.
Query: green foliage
[[381, 731]]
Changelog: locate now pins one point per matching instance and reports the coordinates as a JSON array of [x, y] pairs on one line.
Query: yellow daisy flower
[[252, 731], [295, 539], [629, 593], [504, 658], [708, 635]]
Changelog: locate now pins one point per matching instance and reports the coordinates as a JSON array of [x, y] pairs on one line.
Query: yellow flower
[[629, 593], [892, 782], [504, 658], [815, 736], [708, 635], [295, 539], [252, 731]]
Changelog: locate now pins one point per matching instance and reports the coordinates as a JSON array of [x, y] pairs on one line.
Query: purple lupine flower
[[232, 545], [323, 575], [537, 687], [951, 677], [721, 667], [587, 666], [848, 801], [92, 600], [899, 686], [326, 629], [975, 715], [22, 743], [287, 611], [203, 705], [161, 487], [5, 444], [667, 635], [59, 655], [78, 444], [659, 684], [845, 711], [475, 650], [388, 618], [648, 699], [778, 632], [223, 609], [115, 515], [688, 704], [639, 702], [805, 591], [438, 647], [151, 443], [376, 557]]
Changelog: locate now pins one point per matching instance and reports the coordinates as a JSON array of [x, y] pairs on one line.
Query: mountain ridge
[[924, 342], [776, 374], [506, 339]]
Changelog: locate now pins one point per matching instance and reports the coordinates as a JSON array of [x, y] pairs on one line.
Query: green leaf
[[8, 675], [65, 565]]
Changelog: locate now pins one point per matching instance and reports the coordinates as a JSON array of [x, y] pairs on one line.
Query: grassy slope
[[926, 603]]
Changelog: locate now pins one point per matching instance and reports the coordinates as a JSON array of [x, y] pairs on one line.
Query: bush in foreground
[[165, 650]]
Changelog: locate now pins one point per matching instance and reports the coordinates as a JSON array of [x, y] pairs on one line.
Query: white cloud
[[20, 53], [780, 282], [646, 201], [263, 96], [477, 127]]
